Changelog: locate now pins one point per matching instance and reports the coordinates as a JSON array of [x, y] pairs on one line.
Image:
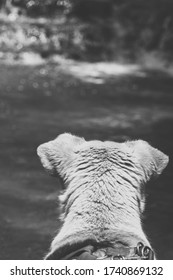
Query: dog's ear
[[56, 155], [152, 160]]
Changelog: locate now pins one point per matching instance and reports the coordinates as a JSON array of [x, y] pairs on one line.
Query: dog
[[103, 195]]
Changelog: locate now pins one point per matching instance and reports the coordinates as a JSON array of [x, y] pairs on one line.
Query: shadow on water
[[38, 103]]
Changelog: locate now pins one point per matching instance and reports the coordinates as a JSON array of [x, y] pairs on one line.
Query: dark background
[[65, 67]]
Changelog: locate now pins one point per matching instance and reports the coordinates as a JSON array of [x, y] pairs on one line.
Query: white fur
[[103, 197]]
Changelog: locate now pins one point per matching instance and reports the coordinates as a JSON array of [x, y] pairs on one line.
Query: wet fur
[[103, 196]]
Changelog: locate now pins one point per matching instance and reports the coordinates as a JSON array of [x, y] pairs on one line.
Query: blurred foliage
[[40, 37], [122, 28], [35, 8], [91, 29]]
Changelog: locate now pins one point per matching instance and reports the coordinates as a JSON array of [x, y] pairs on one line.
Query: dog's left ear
[[152, 160], [57, 155]]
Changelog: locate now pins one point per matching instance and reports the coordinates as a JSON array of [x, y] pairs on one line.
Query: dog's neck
[[96, 211], [67, 238], [69, 250]]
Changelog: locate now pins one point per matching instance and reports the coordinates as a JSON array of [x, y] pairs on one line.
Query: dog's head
[[103, 182], [67, 155]]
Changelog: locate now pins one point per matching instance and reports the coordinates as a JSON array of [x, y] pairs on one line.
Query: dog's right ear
[[151, 159], [56, 155]]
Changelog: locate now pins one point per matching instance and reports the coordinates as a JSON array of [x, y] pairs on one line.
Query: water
[[39, 102]]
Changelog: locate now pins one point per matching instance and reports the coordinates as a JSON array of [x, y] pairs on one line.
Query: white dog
[[103, 196]]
